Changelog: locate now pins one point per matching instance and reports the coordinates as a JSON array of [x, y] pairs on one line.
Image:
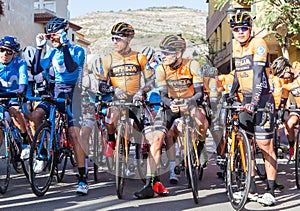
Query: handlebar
[[124, 103]]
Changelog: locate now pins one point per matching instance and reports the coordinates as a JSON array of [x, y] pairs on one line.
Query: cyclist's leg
[[199, 114], [155, 136], [19, 122], [172, 135], [155, 139], [110, 119], [290, 123], [264, 136]]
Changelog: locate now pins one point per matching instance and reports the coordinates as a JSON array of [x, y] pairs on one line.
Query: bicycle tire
[[15, 159], [192, 167], [120, 161], [297, 160], [238, 180], [40, 182], [5, 161]]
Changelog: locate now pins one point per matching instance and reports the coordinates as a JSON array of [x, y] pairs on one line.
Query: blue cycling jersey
[[13, 74], [55, 56]]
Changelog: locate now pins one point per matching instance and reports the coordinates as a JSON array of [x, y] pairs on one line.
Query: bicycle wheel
[[5, 159], [238, 175], [297, 160], [259, 162], [42, 160], [192, 167], [63, 152], [15, 157], [120, 161]]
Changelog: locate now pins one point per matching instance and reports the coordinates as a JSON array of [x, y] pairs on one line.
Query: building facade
[[24, 19], [218, 35]]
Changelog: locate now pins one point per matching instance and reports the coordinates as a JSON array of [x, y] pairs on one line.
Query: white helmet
[[149, 52], [28, 54], [94, 62]]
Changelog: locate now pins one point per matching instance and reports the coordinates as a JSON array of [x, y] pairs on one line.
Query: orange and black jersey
[[250, 62], [182, 83], [276, 84], [125, 71], [294, 89]]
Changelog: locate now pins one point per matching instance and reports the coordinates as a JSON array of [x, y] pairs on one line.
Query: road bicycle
[[239, 153], [99, 138], [122, 141], [296, 156], [10, 145], [190, 162], [50, 146]]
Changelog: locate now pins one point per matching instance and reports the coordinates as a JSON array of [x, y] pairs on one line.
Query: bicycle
[[10, 145], [239, 153], [190, 163], [296, 155], [100, 136], [122, 141], [49, 146]]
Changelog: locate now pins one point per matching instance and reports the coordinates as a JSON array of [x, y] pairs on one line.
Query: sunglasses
[[50, 36], [117, 39], [167, 53], [8, 51], [240, 28]]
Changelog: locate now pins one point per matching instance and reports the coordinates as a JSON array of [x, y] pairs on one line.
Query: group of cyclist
[[129, 75]]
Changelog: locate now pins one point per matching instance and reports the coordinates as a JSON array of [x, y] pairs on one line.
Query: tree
[[280, 17]]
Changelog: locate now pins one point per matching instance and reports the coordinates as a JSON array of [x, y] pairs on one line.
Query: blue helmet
[[56, 24], [11, 43]]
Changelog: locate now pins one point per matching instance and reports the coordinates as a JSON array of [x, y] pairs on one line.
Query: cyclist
[[120, 73], [178, 78], [35, 84], [250, 56], [13, 81], [290, 75], [67, 62]]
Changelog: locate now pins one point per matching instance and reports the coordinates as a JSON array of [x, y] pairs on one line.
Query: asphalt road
[[102, 195]]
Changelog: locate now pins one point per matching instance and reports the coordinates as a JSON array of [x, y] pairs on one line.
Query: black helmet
[[11, 43], [56, 24], [241, 19], [123, 29], [279, 65], [173, 43]]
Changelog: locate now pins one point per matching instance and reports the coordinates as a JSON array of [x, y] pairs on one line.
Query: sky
[[81, 7]]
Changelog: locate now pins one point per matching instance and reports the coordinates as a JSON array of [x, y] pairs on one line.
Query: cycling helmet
[[209, 71], [279, 65], [11, 43], [28, 54], [149, 52], [94, 62], [123, 29], [241, 19], [173, 43], [56, 24]]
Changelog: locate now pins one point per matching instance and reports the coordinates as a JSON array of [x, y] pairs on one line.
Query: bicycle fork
[[231, 153]]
